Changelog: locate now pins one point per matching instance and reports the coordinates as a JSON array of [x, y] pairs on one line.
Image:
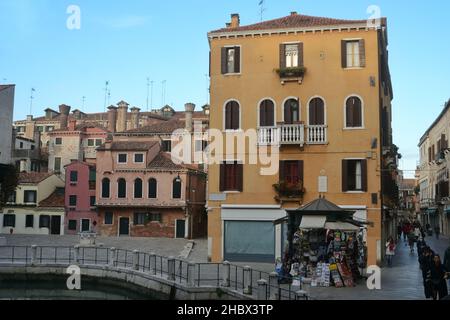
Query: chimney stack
[[235, 20], [72, 125], [122, 116], [112, 119], [293, 13], [135, 113], [64, 110], [190, 107]]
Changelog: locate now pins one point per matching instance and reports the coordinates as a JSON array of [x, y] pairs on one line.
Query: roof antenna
[[31, 100], [82, 106], [106, 95], [262, 8]]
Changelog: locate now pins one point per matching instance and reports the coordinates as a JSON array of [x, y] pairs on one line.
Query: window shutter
[[288, 113], [282, 56], [228, 116], [240, 177], [237, 59], [270, 113], [300, 55], [344, 53], [301, 170], [364, 175], [344, 175], [312, 113], [235, 116], [282, 171], [222, 177], [362, 53], [224, 60], [320, 112], [262, 114]]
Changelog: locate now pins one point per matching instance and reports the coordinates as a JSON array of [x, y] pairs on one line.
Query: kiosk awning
[[342, 226], [313, 222]]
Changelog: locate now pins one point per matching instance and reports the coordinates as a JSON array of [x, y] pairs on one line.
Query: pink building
[[80, 198], [142, 193]]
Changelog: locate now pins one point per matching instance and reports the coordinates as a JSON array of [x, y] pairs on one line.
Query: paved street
[[401, 282]]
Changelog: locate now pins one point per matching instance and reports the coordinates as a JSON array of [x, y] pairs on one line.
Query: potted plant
[[297, 72]]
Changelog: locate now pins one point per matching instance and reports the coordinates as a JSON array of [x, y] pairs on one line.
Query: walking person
[[390, 251], [411, 241], [425, 262], [437, 230], [437, 277], [447, 265], [399, 232]]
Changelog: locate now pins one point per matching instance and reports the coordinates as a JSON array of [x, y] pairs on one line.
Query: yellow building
[[318, 91]]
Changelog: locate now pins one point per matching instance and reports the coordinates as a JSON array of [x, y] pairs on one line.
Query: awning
[[342, 226], [281, 221], [313, 222]]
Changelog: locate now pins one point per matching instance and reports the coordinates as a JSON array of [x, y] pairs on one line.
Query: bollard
[[274, 286], [226, 274], [301, 295], [135, 259], [247, 280], [171, 268], [112, 257], [33, 255], [152, 263], [76, 254], [191, 274], [262, 290]]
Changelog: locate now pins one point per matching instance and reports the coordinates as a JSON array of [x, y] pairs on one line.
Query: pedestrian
[[399, 232], [411, 241], [390, 251], [437, 230], [425, 261], [437, 276], [405, 232], [417, 232], [447, 263]]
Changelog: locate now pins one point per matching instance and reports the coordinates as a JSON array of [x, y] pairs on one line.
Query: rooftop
[[129, 146], [164, 161], [165, 127], [55, 200], [33, 177]]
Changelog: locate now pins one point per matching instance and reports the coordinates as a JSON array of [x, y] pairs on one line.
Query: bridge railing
[[250, 282]]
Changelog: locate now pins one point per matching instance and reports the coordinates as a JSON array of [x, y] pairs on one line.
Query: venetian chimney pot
[[135, 113], [190, 108], [64, 111], [122, 116], [112, 119], [235, 20]]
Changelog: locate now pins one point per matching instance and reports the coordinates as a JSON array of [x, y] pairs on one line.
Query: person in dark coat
[[425, 261], [437, 277], [399, 232]]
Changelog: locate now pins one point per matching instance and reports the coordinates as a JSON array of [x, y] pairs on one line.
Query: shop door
[[55, 225], [124, 227], [181, 224], [249, 241], [85, 225]]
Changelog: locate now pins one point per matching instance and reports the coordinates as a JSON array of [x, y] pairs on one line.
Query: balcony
[[286, 192], [295, 74], [292, 134]]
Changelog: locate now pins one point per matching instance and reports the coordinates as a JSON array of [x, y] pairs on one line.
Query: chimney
[[293, 13], [235, 20], [72, 125], [135, 113], [112, 118], [122, 116], [190, 107], [30, 118], [64, 110]]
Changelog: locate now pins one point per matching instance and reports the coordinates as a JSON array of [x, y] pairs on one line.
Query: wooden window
[[291, 55], [353, 113], [138, 189], [139, 219], [58, 141], [231, 60], [72, 225], [57, 165], [29, 221], [106, 188], [232, 116], [109, 218], [155, 217], [267, 114], [176, 188], [291, 172], [73, 176], [152, 188], [167, 146], [9, 220], [44, 221], [354, 175], [291, 111], [30, 197], [316, 112], [72, 200], [92, 201], [231, 176], [353, 53], [122, 158], [91, 142], [121, 188]]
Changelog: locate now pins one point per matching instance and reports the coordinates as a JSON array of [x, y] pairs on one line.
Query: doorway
[[85, 225], [55, 225], [124, 227], [180, 232]]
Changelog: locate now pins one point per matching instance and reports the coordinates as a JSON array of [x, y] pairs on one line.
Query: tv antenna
[[31, 100], [106, 95], [148, 91], [262, 8], [109, 95], [83, 101], [163, 92]]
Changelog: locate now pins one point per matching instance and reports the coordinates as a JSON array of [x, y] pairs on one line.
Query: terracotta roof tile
[[55, 200], [129, 146], [33, 177], [163, 127], [291, 21], [164, 161]]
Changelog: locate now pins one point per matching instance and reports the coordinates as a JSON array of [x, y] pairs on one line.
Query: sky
[[126, 42]]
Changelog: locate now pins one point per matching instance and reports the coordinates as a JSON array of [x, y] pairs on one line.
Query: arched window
[[152, 188], [291, 111], [267, 114], [316, 112], [138, 188], [353, 113], [121, 188], [176, 188], [232, 116], [106, 193]]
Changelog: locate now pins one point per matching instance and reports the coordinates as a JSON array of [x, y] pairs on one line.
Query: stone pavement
[[161, 246]]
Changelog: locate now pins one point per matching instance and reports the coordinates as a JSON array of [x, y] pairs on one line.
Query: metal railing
[[244, 280]]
